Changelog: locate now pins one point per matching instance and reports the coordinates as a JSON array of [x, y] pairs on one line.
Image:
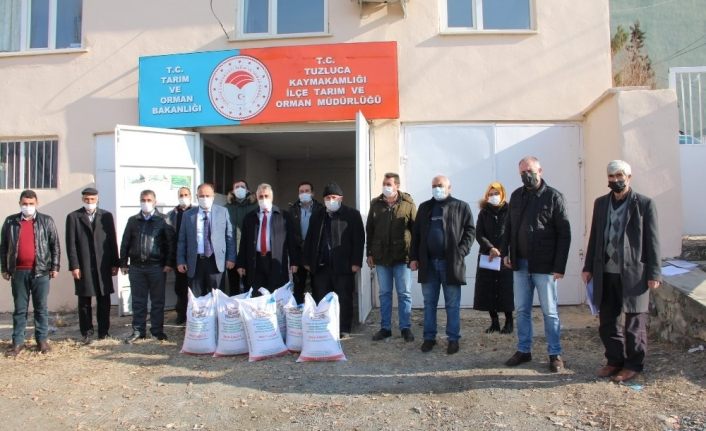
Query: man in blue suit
[[206, 247]]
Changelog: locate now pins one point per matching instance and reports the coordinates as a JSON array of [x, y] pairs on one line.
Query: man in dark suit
[[181, 280], [206, 246], [623, 261], [268, 249], [333, 252], [301, 212], [92, 249]]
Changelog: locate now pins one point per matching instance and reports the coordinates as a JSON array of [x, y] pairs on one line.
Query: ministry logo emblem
[[240, 87]]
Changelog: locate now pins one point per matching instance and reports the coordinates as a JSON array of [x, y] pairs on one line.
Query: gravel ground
[[382, 385]]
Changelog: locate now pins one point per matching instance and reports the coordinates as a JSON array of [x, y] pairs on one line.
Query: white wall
[[693, 177]]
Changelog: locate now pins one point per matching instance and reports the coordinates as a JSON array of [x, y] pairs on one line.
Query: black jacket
[[284, 251], [493, 288], [549, 233], [347, 240], [92, 246], [47, 250], [148, 242], [459, 231], [295, 212]]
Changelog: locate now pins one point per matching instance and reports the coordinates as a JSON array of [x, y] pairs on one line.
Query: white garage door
[[472, 156]]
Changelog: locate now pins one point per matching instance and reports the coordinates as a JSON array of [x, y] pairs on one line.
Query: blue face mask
[[439, 193]]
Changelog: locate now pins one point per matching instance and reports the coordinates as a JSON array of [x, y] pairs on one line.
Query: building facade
[[476, 87]]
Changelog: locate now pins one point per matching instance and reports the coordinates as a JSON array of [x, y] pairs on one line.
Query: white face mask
[[28, 210], [333, 205], [90, 207], [494, 200], [184, 202], [146, 207], [206, 203], [265, 204], [240, 192], [305, 197], [388, 191], [439, 193]]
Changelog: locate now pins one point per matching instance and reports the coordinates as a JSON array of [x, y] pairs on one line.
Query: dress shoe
[[607, 371], [134, 337], [14, 350], [624, 375], [345, 335], [382, 334], [427, 345], [452, 347], [161, 336], [43, 347], [556, 364], [518, 358], [86, 340], [104, 336], [180, 320], [407, 335]]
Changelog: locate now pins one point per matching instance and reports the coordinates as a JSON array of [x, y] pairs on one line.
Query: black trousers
[[85, 314], [325, 281], [206, 277], [625, 345], [263, 276], [300, 283], [234, 281], [181, 286]]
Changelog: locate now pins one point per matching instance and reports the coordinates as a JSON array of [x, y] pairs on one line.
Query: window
[[260, 18], [39, 24], [218, 169], [502, 15], [28, 164]]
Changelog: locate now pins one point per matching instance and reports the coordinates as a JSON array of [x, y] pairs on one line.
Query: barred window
[[28, 164]]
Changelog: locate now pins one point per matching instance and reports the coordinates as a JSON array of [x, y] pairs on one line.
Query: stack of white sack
[[320, 330]]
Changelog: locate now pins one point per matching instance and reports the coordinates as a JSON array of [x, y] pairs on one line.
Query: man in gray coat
[[623, 262], [92, 249], [206, 246]]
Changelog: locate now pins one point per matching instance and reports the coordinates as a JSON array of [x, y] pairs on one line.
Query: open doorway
[[283, 160]]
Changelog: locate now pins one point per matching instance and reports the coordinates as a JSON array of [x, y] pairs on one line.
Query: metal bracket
[[402, 3]]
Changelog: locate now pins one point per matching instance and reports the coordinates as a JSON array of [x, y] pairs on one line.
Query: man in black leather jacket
[[29, 257], [539, 237], [148, 245]]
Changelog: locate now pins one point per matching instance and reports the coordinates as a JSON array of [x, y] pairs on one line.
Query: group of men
[[254, 243]]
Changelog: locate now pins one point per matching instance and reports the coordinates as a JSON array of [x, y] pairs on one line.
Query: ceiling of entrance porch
[[308, 145]]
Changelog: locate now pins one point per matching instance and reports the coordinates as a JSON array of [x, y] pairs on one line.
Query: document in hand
[[486, 263], [589, 298]]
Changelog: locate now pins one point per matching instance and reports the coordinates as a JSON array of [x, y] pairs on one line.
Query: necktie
[[207, 247], [263, 234]]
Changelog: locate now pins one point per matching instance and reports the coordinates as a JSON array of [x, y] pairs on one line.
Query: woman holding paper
[[493, 291]]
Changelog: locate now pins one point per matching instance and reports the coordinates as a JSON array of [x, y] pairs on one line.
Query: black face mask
[[617, 186], [530, 180]]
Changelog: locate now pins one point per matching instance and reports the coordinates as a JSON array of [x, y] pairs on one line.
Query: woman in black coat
[[493, 291]]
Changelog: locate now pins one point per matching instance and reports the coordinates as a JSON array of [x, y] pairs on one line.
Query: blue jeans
[[24, 284], [452, 297], [524, 285], [402, 277], [147, 282]]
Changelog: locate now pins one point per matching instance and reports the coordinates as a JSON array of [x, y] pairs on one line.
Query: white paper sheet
[[670, 270], [682, 263], [589, 298], [486, 263]]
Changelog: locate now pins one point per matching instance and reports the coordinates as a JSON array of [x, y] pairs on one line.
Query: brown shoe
[[607, 371], [44, 347], [14, 350], [624, 375], [556, 364], [518, 358]]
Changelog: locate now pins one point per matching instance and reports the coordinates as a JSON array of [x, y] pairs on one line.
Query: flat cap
[[89, 191]]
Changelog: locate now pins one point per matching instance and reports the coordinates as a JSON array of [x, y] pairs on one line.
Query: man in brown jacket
[[389, 233]]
